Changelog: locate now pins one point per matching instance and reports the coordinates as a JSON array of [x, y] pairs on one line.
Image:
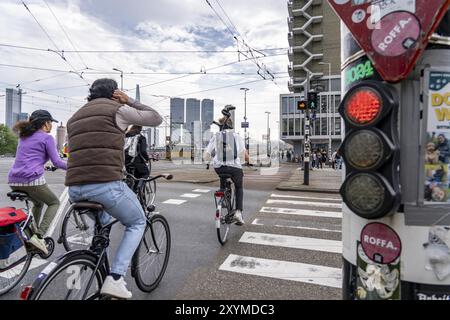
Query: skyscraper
[[13, 106], [192, 113], [176, 118], [207, 113]]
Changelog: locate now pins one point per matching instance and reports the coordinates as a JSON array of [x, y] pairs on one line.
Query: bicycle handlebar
[[165, 176]]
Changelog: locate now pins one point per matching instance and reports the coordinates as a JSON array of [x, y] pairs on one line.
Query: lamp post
[[328, 108], [245, 120], [268, 134], [121, 77]]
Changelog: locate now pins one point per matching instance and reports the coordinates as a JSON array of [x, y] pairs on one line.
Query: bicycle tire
[[78, 223], [46, 284], [6, 288], [222, 223], [148, 244]]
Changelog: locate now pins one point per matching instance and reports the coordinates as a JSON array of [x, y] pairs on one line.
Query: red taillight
[[219, 193], [25, 293], [363, 107]]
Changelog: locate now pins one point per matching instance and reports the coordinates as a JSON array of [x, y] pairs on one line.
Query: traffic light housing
[[312, 100], [370, 149], [302, 105]]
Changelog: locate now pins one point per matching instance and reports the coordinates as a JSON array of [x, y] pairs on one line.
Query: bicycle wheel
[[69, 280], [223, 220], [77, 231], [9, 278], [149, 193], [152, 256]]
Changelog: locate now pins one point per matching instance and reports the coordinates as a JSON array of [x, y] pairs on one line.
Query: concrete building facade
[[314, 49]]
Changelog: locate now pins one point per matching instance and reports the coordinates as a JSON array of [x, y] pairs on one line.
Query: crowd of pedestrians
[[319, 159]]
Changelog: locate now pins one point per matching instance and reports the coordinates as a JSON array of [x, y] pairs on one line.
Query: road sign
[[301, 105], [244, 124], [392, 33]]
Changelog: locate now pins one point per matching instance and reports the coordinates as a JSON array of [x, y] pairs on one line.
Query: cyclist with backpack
[[136, 156], [227, 147]]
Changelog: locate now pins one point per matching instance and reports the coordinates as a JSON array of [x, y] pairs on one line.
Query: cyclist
[[98, 128], [136, 156], [228, 148], [36, 147]]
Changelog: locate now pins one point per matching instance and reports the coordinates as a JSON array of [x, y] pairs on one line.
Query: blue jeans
[[121, 203]]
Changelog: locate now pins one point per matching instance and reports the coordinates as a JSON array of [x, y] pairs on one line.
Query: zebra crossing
[[306, 225]]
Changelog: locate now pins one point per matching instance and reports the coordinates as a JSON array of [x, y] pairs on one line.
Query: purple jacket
[[32, 154]]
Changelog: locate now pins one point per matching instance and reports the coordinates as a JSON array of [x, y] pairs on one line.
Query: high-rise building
[[13, 106], [207, 114], [192, 113], [176, 118], [60, 136], [314, 49]]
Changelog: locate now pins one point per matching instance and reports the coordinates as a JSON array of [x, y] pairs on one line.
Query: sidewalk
[[320, 180]]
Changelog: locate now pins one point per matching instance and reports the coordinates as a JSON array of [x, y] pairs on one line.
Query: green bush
[[8, 141]]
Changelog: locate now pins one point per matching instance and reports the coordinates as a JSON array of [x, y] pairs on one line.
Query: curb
[[307, 188]]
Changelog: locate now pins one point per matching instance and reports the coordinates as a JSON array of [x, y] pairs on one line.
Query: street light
[[328, 108], [245, 120], [268, 135], [121, 78]]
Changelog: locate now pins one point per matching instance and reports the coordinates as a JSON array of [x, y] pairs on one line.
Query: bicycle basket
[[11, 215], [12, 246]]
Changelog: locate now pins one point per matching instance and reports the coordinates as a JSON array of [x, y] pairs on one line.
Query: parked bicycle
[[79, 274], [16, 253], [77, 228]]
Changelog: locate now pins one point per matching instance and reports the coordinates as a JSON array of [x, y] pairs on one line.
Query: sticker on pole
[[393, 33], [380, 243]]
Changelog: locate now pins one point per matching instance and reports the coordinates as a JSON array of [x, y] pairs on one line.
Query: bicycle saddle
[[17, 195], [88, 205]]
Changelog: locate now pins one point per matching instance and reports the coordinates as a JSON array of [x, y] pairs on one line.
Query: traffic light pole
[[307, 146]]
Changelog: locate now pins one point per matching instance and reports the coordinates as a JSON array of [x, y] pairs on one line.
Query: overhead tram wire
[[65, 33], [53, 42]]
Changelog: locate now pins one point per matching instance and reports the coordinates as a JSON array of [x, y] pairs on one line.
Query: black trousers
[[237, 176]]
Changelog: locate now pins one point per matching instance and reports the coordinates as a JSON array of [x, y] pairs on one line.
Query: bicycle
[[88, 269], [13, 274], [225, 209], [77, 229]]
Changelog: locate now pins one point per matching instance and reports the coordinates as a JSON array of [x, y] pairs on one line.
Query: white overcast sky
[[144, 25]]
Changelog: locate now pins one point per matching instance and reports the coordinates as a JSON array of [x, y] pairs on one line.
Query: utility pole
[[121, 78], [307, 146], [329, 109], [245, 120], [268, 134]]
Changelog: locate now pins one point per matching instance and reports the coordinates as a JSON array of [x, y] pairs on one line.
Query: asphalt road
[[288, 248]]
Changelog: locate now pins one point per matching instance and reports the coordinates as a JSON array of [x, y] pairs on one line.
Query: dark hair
[[102, 88], [28, 128], [134, 130]]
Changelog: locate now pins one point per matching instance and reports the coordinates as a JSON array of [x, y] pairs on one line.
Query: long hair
[[27, 128]]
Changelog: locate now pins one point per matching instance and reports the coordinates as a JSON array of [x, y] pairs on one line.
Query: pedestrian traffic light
[[312, 100], [301, 105], [370, 149]]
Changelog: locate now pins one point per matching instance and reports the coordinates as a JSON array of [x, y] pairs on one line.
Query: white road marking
[[174, 201], [77, 239], [201, 190], [273, 195], [270, 239], [302, 212], [259, 222], [63, 201], [286, 270], [306, 203], [35, 263], [190, 195]]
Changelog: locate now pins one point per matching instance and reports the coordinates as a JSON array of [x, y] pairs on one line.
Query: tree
[[8, 141]]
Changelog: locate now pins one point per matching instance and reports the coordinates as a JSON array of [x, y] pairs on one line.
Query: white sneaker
[[238, 218], [39, 243], [115, 288]]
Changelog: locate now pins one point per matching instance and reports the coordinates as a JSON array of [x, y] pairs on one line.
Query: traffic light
[[301, 105], [370, 149], [312, 100]]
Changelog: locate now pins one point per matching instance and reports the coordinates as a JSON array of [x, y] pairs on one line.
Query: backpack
[[12, 246], [226, 146], [130, 147]]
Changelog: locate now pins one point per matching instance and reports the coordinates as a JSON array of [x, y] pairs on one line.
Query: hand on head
[[120, 96]]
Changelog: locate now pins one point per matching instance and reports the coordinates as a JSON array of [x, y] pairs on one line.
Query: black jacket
[[142, 158]]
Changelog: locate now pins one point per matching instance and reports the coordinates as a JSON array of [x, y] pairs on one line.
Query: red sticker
[[398, 32], [380, 243]]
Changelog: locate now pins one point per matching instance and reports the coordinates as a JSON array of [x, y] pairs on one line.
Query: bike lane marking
[[306, 203], [190, 195], [63, 199], [174, 201], [302, 212]]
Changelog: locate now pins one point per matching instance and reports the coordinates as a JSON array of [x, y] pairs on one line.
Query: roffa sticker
[[380, 243]]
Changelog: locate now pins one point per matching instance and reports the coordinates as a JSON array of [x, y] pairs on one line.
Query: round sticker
[[358, 16], [380, 243], [396, 33]]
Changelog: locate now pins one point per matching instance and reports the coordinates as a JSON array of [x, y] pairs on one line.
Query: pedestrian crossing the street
[[307, 226]]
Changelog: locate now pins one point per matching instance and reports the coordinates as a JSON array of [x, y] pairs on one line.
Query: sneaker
[[39, 243], [238, 218], [116, 288]]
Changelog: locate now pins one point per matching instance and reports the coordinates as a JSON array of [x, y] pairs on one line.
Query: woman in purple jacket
[[36, 147]]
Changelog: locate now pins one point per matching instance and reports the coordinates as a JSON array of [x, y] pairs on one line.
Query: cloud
[[144, 25]]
